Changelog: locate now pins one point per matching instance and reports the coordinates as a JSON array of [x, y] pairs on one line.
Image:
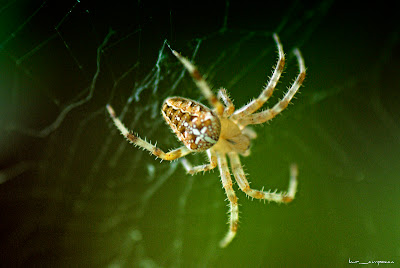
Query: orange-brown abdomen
[[195, 124]]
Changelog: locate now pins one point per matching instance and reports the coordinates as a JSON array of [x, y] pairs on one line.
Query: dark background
[[74, 193]]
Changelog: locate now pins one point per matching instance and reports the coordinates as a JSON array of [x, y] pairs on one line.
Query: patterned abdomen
[[194, 124]]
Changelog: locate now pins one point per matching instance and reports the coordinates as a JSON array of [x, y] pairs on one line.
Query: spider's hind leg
[[229, 107], [137, 141], [205, 167], [200, 83]]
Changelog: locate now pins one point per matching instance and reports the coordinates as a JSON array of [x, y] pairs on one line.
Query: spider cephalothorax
[[222, 132]]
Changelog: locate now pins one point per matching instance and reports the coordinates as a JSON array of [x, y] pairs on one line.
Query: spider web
[[75, 193]]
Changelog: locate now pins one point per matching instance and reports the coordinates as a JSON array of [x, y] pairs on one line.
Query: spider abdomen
[[194, 124]]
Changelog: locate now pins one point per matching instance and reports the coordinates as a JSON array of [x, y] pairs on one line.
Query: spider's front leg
[[137, 141], [206, 167], [257, 103], [264, 116]]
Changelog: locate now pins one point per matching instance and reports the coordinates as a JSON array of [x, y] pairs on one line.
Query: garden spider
[[222, 131]]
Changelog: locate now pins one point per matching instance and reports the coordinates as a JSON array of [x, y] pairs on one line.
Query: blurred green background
[[73, 193]]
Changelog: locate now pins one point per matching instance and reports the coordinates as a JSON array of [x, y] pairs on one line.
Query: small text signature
[[371, 262]]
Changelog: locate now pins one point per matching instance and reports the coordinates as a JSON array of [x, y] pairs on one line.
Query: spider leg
[[206, 167], [256, 104], [200, 83], [261, 117], [270, 196], [249, 132], [234, 208], [229, 107], [136, 140]]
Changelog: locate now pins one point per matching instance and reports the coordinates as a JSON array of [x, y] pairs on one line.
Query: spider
[[222, 132]]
